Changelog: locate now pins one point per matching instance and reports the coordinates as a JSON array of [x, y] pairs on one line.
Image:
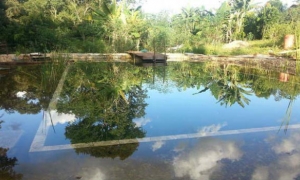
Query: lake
[[116, 121]]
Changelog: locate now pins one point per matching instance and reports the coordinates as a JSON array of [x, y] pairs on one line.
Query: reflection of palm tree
[[232, 89], [287, 116], [231, 94], [228, 87]]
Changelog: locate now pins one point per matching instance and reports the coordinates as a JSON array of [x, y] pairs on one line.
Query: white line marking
[[40, 147], [38, 143], [41, 134]]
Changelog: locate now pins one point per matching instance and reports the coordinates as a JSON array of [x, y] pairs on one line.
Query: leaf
[[136, 34]]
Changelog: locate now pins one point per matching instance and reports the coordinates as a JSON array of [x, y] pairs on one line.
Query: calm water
[[107, 121]]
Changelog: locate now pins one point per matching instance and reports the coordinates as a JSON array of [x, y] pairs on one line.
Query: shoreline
[[268, 62]]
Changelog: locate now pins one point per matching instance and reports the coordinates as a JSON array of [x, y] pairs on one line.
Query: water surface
[[120, 121]]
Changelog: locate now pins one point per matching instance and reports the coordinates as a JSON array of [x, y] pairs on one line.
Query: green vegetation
[[120, 25]]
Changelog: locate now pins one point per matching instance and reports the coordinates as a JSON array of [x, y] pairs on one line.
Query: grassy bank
[[266, 47]]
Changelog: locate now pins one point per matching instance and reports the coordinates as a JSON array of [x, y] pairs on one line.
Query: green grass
[[255, 47]]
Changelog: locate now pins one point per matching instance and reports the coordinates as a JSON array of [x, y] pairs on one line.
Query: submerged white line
[[38, 143], [41, 134], [158, 138]]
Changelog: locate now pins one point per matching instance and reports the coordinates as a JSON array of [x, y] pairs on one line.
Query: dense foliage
[[120, 25]]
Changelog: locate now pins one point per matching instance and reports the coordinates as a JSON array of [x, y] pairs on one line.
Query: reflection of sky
[[141, 122], [21, 94], [211, 129], [183, 112], [287, 166], [157, 145], [56, 134], [21, 129], [202, 160], [16, 121], [52, 117]]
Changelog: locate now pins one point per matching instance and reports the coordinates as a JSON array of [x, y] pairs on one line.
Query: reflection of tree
[[122, 151], [22, 79], [105, 98], [287, 117], [231, 93], [113, 128], [230, 83], [38, 82], [228, 87], [155, 76], [7, 164], [1, 121]]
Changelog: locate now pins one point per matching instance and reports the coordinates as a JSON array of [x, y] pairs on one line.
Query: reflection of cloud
[[157, 145], [94, 174], [288, 145], [68, 166], [180, 147], [15, 126], [141, 122], [211, 129], [261, 173], [21, 94], [8, 139], [56, 117], [204, 158], [287, 165]]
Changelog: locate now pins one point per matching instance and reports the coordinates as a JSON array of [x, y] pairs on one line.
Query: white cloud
[[180, 147], [95, 174], [261, 173], [157, 145], [287, 165], [21, 94], [201, 161], [53, 118], [288, 145], [141, 122], [211, 129]]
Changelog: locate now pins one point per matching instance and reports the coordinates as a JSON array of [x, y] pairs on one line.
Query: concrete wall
[[70, 56]]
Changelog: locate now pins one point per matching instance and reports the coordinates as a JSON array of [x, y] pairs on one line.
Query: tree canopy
[[121, 25]]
